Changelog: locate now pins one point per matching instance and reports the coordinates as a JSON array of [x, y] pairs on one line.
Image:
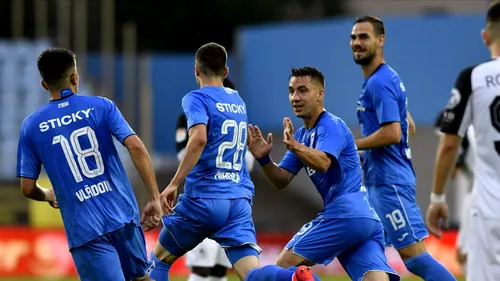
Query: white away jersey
[[475, 100]]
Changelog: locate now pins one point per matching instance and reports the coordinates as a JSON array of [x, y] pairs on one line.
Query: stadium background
[[140, 54]]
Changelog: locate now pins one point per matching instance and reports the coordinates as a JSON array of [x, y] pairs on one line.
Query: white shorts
[[207, 254], [483, 263]]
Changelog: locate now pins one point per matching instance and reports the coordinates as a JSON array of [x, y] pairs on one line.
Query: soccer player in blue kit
[[388, 172], [217, 199], [347, 227], [72, 137]]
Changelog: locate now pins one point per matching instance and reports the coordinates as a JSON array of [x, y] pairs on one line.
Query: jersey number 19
[[72, 147]]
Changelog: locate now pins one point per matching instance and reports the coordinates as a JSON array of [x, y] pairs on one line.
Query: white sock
[[211, 278], [196, 277]]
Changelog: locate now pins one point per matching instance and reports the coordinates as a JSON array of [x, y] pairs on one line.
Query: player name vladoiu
[[94, 190]]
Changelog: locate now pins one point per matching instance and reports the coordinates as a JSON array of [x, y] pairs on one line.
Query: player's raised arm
[[314, 158], [260, 148], [387, 109]]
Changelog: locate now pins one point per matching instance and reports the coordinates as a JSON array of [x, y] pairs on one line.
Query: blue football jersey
[[340, 186], [383, 100], [73, 139], [221, 170]]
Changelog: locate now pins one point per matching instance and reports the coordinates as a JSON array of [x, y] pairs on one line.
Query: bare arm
[[32, 190], [388, 134], [313, 158], [412, 128], [142, 163], [196, 144], [448, 148], [278, 176]]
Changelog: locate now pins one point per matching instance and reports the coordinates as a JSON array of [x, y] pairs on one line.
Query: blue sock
[[294, 268], [269, 273], [160, 271], [429, 269]]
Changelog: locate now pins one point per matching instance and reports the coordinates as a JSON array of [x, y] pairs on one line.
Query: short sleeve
[[457, 115], [385, 102], [28, 163], [195, 110], [117, 123], [290, 162], [331, 136]]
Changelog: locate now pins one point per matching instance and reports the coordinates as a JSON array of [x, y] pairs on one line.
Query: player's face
[[364, 43], [305, 96]]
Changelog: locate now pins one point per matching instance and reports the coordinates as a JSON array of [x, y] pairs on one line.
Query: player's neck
[[207, 82], [309, 122], [495, 51], [369, 69]]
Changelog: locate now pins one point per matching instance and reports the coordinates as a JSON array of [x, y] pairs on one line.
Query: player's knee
[[412, 250], [201, 271], [218, 271], [376, 276]]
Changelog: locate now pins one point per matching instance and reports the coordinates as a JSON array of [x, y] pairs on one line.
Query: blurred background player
[[72, 137], [475, 100], [388, 170], [207, 261], [347, 227], [218, 192], [463, 178]]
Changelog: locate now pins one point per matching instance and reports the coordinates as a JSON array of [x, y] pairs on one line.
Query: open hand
[[288, 132], [258, 146]]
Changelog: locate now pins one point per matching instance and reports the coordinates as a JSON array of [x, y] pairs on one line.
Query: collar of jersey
[[65, 93]]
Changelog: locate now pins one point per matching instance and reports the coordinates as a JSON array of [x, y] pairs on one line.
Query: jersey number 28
[[239, 141], [72, 147]]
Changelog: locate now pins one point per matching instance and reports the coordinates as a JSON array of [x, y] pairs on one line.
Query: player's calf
[[422, 264]]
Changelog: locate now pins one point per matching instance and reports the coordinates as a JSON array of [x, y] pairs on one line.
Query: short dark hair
[[54, 64], [493, 14], [377, 23], [228, 84], [316, 74], [211, 58]]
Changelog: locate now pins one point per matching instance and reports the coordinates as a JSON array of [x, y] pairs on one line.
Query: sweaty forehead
[[297, 81], [362, 28]]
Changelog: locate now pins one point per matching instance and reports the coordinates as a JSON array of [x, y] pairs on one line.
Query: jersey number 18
[[72, 147]]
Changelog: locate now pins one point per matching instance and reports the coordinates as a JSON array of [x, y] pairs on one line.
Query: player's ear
[[486, 39], [44, 85], [321, 94], [196, 71], [381, 40], [73, 79], [226, 71]]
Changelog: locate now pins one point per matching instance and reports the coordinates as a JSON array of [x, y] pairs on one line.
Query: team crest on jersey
[[454, 99]]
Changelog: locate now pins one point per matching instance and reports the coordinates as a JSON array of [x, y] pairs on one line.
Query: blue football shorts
[[116, 256], [396, 205], [227, 221]]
